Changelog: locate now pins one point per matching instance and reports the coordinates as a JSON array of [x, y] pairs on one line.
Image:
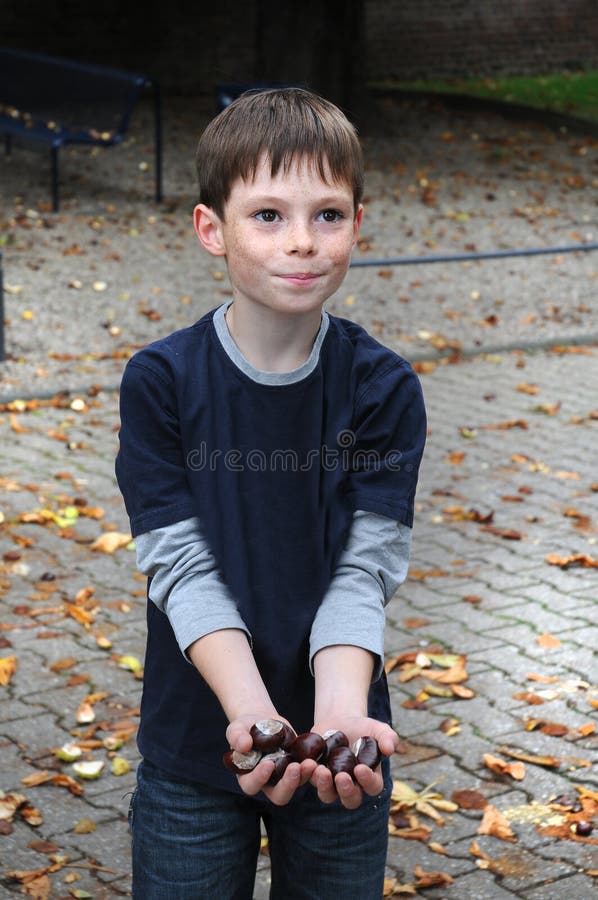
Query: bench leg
[[158, 141], [55, 183]]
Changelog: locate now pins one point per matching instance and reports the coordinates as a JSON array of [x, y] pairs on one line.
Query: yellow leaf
[[131, 663], [8, 667]]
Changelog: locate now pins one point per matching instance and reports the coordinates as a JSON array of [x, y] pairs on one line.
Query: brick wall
[[447, 38], [190, 48]]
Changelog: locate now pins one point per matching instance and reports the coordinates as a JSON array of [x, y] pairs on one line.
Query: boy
[[268, 461]]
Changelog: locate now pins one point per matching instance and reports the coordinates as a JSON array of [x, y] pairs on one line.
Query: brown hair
[[285, 125]]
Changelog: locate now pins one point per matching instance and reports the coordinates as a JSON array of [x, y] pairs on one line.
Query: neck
[[271, 342]]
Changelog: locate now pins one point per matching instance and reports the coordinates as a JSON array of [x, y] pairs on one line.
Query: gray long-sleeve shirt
[[188, 587]]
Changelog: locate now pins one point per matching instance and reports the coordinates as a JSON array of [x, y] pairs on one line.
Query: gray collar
[[258, 375]]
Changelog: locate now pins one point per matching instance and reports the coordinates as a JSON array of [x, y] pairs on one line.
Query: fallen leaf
[[416, 623], [84, 826], [548, 641], [437, 848], [469, 799], [543, 679], [8, 667], [574, 560], [528, 697], [516, 770], [430, 879], [495, 824], [549, 761], [111, 541]]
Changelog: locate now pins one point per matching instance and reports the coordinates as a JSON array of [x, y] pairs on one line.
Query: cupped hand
[[350, 790], [251, 783]]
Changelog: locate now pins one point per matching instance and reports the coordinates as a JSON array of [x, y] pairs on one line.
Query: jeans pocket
[[131, 812]]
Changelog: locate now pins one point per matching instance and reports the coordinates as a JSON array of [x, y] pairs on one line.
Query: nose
[[300, 239]]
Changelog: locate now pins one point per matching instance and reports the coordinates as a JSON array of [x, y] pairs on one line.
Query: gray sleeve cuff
[[186, 583], [372, 566]]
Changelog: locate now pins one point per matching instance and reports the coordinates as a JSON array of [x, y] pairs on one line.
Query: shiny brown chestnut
[[341, 759], [583, 829], [267, 735], [308, 745], [367, 752], [333, 740], [281, 760], [241, 763]]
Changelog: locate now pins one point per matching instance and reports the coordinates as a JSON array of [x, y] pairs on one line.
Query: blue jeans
[[192, 842]]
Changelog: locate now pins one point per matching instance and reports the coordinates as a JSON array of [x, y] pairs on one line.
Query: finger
[[323, 782], [239, 738], [253, 782], [388, 742], [370, 781], [349, 792], [286, 787]]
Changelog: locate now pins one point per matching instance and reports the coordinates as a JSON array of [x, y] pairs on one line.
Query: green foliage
[[575, 93]]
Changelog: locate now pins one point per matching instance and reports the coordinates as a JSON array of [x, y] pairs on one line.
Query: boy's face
[[287, 239]]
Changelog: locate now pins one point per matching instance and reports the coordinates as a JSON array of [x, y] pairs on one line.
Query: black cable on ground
[[468, 257]]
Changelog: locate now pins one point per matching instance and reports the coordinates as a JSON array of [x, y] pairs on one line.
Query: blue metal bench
[[58, 101]]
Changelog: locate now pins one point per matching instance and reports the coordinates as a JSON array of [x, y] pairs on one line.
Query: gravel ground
[[112, 270]]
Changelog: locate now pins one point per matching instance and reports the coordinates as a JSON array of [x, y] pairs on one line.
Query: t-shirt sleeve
[[386, 444], [150, 464]]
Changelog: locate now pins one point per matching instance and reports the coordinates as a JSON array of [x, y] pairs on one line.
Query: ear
[[357, 223], [208, 229]]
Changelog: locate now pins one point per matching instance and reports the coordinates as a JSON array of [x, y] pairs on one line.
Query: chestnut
[[367, 752], [241, 763], [341, 759], [583, 829], [308, 745], [333, 740], [281, 759], [268, 734]]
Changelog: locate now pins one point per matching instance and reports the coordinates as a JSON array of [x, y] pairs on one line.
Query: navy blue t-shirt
[[274, 472]]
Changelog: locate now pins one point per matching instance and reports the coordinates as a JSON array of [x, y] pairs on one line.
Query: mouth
[[300, 277]]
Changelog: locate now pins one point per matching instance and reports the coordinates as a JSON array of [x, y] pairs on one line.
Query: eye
[[267, 215], [331, 215]]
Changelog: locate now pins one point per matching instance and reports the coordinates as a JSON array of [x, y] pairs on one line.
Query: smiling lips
[[301, 277]]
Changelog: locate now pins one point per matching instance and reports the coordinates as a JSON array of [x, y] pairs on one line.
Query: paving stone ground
[[509, 479]]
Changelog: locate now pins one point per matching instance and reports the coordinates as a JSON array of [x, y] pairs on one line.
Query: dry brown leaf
[[501, 767], [421, 833], [415, 623], [456, 457], [111, 541], [61, 665], [461, 691], [469, 799], [573, 560], [502, 426], [476, 850], [79, 615], [548, 641], [549, 761], [528, 697], [430, 879], [454, 675], [543, 679], [495, 824], [437, 848]]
